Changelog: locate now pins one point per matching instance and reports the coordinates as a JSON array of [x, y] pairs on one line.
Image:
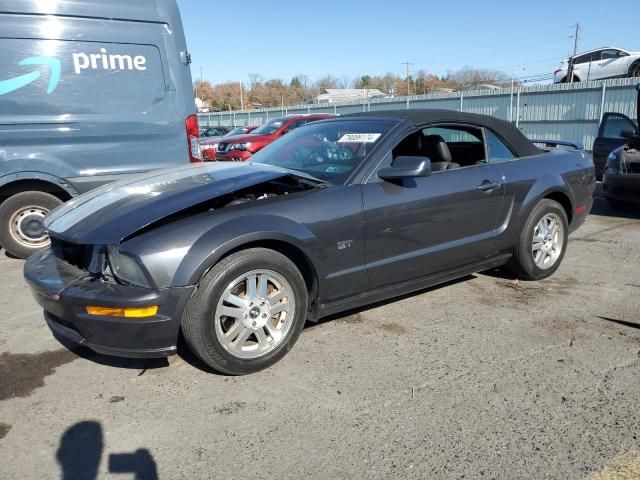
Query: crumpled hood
[[110, 213]]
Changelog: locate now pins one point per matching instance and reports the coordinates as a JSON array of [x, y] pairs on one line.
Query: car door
[[427, 225], [610, 136], [590, 66], [613, 63]]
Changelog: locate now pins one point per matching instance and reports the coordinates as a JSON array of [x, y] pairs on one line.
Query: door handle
[[489, 186]]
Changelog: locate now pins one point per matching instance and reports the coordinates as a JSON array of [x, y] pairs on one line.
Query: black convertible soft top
[[519, 143]]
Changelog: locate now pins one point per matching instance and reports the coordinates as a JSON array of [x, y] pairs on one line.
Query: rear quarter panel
[[528, 180]]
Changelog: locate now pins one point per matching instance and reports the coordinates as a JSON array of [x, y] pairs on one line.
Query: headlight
[[240, 146], [126, 268], [612, 166]]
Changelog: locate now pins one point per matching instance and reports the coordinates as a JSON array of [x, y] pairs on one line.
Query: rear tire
[[539, 252], [231, 326], [21, 228], [634, 71]]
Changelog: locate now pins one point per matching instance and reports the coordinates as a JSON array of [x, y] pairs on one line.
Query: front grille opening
[[79, 256]]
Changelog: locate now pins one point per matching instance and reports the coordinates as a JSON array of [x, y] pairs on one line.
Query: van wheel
[[247, 313], [22, 230], [543, 241]]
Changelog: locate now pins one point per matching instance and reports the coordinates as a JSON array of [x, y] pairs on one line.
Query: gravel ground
[[481, 378]]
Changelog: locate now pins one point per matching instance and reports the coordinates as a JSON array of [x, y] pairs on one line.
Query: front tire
[[543, 241], [22, 230], [247, 313]]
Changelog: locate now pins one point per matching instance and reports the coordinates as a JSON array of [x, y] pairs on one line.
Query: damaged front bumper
[[65, 292], [623, 188]]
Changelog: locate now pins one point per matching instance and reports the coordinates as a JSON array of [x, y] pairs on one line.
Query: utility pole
[[576, 37], [241, 97], [513, 73], [305, 78], [201, 84], [408, 65]]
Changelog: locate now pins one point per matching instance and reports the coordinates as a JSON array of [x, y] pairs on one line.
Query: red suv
[[240, 147]]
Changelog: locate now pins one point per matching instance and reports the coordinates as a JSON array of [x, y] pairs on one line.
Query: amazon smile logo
[[16, 83], [82, 62]]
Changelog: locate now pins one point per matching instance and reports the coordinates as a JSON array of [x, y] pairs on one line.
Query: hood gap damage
[[280, 186]]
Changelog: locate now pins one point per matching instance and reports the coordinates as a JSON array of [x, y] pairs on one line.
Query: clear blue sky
[[281, 39]]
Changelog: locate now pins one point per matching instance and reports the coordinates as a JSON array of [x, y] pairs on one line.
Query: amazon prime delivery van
[[90, 91]]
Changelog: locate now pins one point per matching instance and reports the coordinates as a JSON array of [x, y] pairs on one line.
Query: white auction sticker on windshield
[[360, 138]]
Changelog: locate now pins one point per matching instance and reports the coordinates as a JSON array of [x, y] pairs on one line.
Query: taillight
[[193, 139]]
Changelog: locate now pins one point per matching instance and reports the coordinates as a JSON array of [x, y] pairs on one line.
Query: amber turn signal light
[[123, 312]]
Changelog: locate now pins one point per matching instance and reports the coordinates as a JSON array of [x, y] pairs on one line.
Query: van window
[[50, 78]]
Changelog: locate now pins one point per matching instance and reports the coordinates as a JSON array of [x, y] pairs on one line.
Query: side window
[[451, 135], [498, 151], [447, 146], [581, 59], [609, 54], [614, 124]]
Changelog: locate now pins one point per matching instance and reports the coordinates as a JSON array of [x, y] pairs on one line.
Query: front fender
[[233, 234]]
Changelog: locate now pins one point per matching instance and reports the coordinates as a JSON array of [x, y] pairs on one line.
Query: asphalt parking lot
[[485, 377]]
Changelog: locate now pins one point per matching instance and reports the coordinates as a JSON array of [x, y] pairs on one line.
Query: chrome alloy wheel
[[548, 240], [27, 226], [254, 314]]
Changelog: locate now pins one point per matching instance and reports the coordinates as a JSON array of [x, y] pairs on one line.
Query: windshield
[[212, 132], [329, 151], [237, 131], [270, 127]]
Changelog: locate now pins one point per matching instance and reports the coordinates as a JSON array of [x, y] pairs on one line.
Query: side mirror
[[285, 131], [406, 167], [627, 134]]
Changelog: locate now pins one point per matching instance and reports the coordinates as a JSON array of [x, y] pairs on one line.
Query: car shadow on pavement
[[624, 323], [602, 208], [80, 452], [188, 356], [142, 364]]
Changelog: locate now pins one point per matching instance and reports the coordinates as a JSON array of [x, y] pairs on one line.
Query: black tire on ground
[[522, 263], [15, 246], [198, 321]]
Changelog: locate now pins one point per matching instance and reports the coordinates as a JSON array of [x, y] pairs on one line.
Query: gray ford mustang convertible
[[335, 215]]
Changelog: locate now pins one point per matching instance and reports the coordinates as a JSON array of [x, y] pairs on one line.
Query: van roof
[[156, 11]]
